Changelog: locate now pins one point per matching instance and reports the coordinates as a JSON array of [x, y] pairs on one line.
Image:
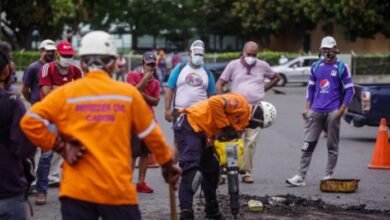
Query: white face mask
[[66, 60], [197, 60], [250, 60]]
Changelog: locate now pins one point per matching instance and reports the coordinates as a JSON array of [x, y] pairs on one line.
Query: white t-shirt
[[191, 85]]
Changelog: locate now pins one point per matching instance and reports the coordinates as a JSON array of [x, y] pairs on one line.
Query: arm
[[141, 84], [169, 91], [274, 81], [349, 90], [219, 85], [311, 86], [46, 90], [168, 104], [26, 92], [150, 99], [45, 80]]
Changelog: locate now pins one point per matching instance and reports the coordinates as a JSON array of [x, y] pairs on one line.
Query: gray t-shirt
[[31, 79]]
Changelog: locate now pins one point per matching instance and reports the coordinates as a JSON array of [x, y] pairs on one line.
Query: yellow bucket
[[234, 147]]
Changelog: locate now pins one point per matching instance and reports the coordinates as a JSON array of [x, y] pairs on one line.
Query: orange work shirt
[[101, 113], [219, 111]]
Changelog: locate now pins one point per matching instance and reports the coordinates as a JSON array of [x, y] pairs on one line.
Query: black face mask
[[48, 57]]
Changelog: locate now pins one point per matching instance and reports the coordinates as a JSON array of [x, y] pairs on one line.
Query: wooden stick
[[172, 201]]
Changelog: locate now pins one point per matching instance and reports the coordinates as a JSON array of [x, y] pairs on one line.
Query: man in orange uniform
[[219, 115], [95, 116]]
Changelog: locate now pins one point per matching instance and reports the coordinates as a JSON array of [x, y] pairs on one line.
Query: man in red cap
[[51, 76]]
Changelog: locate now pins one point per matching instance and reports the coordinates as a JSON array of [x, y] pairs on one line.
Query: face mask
[[48, 57], [250, 60], [66, 60], [197, 60]]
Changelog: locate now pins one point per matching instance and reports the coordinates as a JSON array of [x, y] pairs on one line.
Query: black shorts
[[138, 147]]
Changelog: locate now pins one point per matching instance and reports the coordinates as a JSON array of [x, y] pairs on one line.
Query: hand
[[305, 114], [171, 173], [168, 115], [71, 150], [149, 75], [339, 114]]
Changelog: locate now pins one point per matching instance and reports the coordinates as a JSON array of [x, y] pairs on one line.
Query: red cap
[[65, 48]]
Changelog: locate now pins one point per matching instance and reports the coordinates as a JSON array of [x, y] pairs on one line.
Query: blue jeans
[[43, 171], [13, 208]]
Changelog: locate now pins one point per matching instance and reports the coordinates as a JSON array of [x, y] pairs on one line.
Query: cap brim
[[149, 61], [66, 53], [49, 47], [327, 46]]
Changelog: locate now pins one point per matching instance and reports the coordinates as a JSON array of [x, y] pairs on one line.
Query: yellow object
[[255, 206], [339, 185], [235, 146]]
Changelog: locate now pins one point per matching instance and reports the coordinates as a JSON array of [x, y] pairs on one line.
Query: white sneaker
[[296, 181], [327, 177]]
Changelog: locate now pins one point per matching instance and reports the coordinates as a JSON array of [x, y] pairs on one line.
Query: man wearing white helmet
[[95, 116], [329, 92], [221, 115], [246, 76]]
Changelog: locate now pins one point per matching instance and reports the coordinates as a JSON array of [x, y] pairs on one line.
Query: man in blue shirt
[[329, 92]]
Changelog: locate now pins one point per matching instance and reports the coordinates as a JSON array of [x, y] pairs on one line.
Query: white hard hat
[[47, 45], [328, 42], [264, 114], [98, 43]]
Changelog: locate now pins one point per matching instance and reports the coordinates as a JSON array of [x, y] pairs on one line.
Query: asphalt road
[[277, 158]]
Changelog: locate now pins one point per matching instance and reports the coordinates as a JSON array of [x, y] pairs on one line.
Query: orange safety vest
[[219, 111], [101, 113]]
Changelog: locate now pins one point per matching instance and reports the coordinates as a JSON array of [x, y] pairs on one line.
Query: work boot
[[212, 211], [186, 214]]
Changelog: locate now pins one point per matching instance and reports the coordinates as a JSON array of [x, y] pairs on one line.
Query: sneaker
[[296, 181], [144, 188], [41, 199], [327, 177], [186, 214]]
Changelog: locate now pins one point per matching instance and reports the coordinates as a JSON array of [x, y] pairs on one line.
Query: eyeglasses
[[150, 64]]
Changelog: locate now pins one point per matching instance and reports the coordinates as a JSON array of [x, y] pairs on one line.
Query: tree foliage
[[179, 20]]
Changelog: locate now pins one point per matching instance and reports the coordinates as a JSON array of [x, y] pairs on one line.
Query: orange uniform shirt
[[210, 115], [101, 113]]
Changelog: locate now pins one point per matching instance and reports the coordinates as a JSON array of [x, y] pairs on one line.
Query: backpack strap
[[340, 69], [316, 66]]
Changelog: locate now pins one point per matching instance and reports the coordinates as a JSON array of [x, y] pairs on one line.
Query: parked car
[[296, 70], [370, 103]]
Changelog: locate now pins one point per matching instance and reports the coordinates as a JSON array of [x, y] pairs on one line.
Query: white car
[[296, 70]]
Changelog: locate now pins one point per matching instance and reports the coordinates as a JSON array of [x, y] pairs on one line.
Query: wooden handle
[[172, 201]]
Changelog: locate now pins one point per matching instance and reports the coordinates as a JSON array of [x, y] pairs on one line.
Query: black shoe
[[212, 211], [218, 216], [186, 214]]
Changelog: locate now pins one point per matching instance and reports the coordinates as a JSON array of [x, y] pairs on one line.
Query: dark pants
[[13, 208], [73, 209], [194, 156]]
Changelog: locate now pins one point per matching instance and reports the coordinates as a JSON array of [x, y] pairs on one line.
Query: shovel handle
[[172, 201]]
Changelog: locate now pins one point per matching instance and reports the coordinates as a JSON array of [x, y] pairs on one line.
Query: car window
[[295, 64], [308, 62]]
